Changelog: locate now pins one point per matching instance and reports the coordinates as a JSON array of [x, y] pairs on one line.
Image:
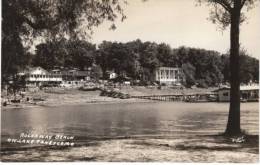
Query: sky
[[179, 23]]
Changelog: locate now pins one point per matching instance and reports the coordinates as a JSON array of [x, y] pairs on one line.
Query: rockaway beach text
[[52, 140]]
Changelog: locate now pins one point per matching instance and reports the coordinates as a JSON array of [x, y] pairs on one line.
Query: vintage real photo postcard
[[130, 81]]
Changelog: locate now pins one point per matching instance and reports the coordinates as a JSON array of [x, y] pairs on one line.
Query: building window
[[225, 94]]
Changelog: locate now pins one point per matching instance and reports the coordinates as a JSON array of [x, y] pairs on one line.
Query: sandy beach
[[64, 96], [57, 97]]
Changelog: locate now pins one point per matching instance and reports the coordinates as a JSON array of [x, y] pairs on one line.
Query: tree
[[13, 57], [225, 13], [23, 20], [102, 56], [249, 68], [49, 54], [81, 53], [207, 64], [135, 48], [164, 55], [139, 60], [96, 73], [189, 72], [64, 53], [148, 60]]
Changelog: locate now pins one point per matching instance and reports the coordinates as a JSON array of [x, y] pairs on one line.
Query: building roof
[[29, 70], [242, 88], [75, 73], [249, 87], [70, 72], [172, 68]]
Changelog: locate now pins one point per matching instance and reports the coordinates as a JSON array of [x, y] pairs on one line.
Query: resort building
[[247, 93], [38, 76], [169, 76]]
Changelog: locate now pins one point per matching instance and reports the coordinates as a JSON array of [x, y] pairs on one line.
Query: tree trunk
[[233, 125]]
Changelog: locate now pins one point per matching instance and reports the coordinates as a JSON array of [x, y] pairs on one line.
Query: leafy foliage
[[189, 72], [221, 10], [23, 20], [203, 67], [64, 53], [249, 68]]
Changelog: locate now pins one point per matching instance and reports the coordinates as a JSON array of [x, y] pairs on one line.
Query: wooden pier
[[161, 97], [187, 98]]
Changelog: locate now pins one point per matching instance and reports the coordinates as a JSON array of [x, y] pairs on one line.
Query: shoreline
[[69, 97], [54, 97], [46, 104]]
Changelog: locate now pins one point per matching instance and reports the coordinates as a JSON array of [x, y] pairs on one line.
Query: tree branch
[[30, 23], [242, 3], [39, 25], [224, 4]]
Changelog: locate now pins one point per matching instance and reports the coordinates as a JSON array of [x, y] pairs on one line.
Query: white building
[[38, 76], [111, 74], [247, 93], [169, 75]]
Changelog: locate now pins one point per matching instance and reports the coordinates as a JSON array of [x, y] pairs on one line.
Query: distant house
[[38, 76], [111, 74], [247, 93], [169, 75], [74, 77]]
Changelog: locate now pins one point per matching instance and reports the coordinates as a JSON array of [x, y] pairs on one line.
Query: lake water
[[157, 131]]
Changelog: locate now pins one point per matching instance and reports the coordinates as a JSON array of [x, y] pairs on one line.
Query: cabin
[[74, 77], [169, 76], [111, 75], [247, 93]]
